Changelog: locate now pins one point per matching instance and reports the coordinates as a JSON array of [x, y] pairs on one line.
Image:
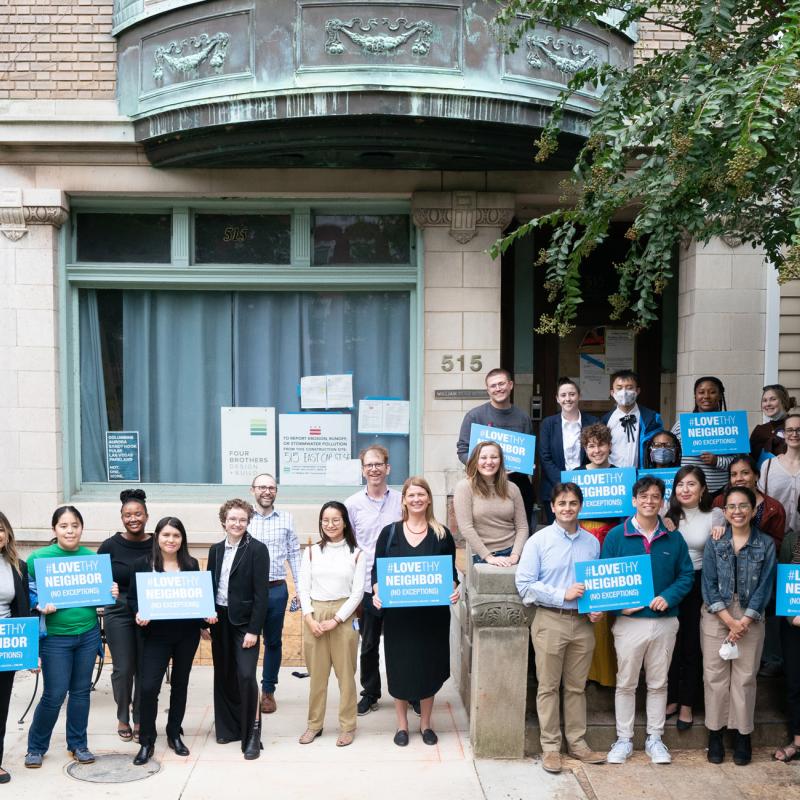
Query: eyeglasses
[[332, 523], [791, 431], [738, 507], [265, 488], [377, 465]]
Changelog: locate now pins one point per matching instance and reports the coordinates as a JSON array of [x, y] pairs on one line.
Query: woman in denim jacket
[[738, 573]]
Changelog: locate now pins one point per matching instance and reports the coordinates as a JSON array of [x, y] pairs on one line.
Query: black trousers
[[158, 650], [371, 627], [523, 482], [790, 639], [6, 682], [125, 641], [685, 679], [236, 707]]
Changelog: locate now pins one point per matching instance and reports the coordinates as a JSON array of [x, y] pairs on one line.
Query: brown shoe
[[345, 738], [309, 736], [588, 756], [551, 761], [268, 704]]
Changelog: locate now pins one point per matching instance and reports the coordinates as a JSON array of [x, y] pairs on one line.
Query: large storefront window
[[163, 351]]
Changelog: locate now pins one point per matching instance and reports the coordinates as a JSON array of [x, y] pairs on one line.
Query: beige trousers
[[730, 686], [563, 644], [648, 642], [338, 649]]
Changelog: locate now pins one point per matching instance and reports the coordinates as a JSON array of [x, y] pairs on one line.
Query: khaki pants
[[730, 686], [337, 648], [639, 641], [563, 644]]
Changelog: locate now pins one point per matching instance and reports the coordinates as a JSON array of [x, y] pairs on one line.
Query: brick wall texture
[[654, 39], [51, 51]]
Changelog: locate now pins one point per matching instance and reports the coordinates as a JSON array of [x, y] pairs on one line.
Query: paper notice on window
[[339, 391], [346, 472], [313, 391], [594, 380], [308, 442], [619, 349], [383, 415]]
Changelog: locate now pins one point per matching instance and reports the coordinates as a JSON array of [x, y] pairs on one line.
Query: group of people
[[336, 587], [713, 549]]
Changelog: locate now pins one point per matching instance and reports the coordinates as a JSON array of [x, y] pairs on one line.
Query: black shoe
[[742, 750], [365, 705], [429, 737], [414, 706], [144, 755], [682, 725], [401, 738], [178, 746], [4, 776], [225, 740], [253, 747], [716, 746]]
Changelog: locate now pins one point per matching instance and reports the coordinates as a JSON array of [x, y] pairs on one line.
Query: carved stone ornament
[[732, 240], [360, 33], [186, 56], [15, 217], [555, 51], [501, 615], [463, 217]]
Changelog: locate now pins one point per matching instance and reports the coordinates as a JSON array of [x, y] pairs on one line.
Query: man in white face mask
[[631, 425]]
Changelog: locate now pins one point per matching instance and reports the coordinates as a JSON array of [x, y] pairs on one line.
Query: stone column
[[721, 322], [496, 636], [31, 482], [462, 316]]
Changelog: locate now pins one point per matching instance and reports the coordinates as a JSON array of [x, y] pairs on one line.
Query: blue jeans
[[500, 553], [273, 629], [67, 663]]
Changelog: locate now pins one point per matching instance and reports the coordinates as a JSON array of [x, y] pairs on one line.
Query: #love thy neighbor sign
[[74, 582]]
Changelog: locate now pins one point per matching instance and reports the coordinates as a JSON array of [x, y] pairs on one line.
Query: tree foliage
[[700, 142]]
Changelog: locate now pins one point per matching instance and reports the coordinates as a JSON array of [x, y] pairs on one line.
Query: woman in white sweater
[[690, 512], [331, 588]]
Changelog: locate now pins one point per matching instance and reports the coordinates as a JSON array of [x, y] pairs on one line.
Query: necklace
[[411, 530]]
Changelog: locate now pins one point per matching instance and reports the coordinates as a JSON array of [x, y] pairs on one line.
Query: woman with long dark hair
[[175, 639], [690, 512], [332, 575], [125, 548], [14, 602]]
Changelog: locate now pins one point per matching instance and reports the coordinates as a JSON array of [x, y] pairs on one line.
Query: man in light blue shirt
[[563, 639]]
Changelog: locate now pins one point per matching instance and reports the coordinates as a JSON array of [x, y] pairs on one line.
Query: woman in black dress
[[416, 640]]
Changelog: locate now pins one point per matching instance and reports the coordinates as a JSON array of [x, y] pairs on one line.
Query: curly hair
[[598, 431], [235, 503]]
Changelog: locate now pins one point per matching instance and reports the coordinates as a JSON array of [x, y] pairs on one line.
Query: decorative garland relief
[[361, 34], [178, 55], [554, 51]]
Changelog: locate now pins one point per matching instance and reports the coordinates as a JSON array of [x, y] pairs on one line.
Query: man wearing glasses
[[275, 529], [370, 510]]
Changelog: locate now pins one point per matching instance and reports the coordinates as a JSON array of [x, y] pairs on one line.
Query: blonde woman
[[489, 509], [13, 603], [416, 639]]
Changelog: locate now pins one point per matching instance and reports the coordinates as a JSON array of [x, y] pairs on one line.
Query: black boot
[[253, 747], [144, 755], [176, 743], [742, 750], [716, 746]]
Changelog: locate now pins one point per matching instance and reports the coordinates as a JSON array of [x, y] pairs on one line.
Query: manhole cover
[[112, 768]]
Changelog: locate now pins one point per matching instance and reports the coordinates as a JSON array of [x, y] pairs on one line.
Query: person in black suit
[[14, 602], [239, 567], [560, 441]]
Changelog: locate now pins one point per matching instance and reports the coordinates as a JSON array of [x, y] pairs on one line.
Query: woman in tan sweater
[[489, 509]]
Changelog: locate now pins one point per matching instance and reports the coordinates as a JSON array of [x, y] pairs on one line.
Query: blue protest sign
[[519, 449], [615, 583], [122, 456], [787, 591], [719, 432], [175, 595], [425, 581], [606, 492], [19, 643], [666, 474], [75, 581]]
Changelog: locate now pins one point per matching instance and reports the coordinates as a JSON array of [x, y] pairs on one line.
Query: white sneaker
[[657, 750], [620, 751]]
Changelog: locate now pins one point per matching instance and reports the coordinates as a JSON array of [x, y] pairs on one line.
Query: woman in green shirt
[[67, 653]]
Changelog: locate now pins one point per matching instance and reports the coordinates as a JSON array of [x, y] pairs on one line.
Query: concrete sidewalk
[[371, 767]]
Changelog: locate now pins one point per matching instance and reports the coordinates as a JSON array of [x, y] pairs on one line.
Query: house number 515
[[450, 362]]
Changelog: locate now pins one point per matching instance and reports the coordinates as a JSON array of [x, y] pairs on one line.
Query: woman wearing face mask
[[663, 451], [124, 638], [767, 439], [709, 396], [690, 512], [738, 577], [560, 440], [489, 509]]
